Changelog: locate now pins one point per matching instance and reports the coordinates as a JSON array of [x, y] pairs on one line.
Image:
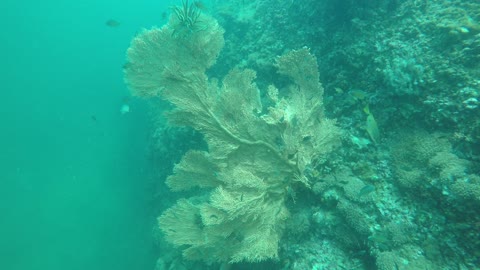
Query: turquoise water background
[[73, 170]]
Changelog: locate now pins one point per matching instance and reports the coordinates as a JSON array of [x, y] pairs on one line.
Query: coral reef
[[401, 80], [254, 159]]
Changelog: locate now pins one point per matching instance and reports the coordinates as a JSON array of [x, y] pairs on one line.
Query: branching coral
[[254, 155]]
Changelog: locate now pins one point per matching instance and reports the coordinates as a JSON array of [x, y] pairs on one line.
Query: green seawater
[[73, 175]]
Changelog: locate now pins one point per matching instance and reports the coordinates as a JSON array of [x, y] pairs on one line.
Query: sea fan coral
[[253, 158]]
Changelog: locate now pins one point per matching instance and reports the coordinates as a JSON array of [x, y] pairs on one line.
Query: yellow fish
[[366, 109], [371, 125]]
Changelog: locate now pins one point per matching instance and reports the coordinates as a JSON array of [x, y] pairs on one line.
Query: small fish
[[164, 15], [372, 128], [366, 109], [126, 99], [125, 109], [112, 23], [126, 65], [200, 5], [339, 90], [367, 189], [371, 125], [94, 118], [358, 94]]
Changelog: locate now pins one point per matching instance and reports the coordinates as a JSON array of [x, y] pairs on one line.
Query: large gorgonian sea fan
[[254, 155]]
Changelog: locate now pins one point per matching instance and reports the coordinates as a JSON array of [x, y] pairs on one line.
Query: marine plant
[[256, 155]]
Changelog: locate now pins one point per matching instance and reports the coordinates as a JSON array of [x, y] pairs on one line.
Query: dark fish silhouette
[[200, 5], [126, 65], [112, 23]]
